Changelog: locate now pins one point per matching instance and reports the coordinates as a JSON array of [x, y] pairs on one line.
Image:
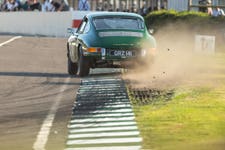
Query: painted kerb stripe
[[103, 117]]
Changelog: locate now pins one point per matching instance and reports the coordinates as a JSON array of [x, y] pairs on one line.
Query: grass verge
[[194, 118]]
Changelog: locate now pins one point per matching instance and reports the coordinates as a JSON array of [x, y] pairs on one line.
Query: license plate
[[122, 53]]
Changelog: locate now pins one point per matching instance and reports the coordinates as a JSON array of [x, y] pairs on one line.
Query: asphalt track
[[38, 99], [36, 93]]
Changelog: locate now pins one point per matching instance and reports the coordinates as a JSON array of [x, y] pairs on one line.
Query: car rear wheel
[[83, 64]]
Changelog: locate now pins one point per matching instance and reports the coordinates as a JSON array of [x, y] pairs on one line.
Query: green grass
[[193, 119]]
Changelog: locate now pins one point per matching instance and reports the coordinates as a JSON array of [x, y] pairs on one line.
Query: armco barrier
[[53, 24]]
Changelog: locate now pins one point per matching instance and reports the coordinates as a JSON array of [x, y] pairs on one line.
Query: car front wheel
[[83, 64], [72, 67]]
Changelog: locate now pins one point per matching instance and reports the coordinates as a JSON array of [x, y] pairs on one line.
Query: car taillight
[[93, 49]]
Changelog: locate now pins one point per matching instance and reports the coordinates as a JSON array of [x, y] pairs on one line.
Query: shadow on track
[[97, 73], [36, 74]]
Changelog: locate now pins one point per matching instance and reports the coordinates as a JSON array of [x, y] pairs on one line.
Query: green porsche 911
[[108, 40]]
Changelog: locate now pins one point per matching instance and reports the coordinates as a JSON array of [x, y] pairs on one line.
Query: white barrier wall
[[40, 23], [36, 23]]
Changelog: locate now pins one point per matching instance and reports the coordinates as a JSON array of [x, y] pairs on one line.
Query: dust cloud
[[175, 64]]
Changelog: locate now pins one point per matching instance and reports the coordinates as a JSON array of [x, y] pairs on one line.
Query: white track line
[[43, 134], [10, 40]]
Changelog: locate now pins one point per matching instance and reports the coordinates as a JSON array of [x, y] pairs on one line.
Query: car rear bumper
[[118, 55]]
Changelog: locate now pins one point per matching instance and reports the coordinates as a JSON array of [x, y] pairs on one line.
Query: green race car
[[108, 40]]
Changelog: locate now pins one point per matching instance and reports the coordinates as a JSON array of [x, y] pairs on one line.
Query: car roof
[[99, 14]]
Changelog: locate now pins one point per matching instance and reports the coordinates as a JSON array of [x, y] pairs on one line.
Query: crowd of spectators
[[206, 7], [34, 5], [62, 5]]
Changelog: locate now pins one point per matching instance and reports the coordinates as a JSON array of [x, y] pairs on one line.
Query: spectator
[[84, 5], [12, 5], [150, 9], [144, 10], [218, 12], [210, 10], [46, 6], [110, 7], [99, 7], [202, 3], [134, 8], [25, 6], [3, 5], [19, 4], [105, 5], [34, 5], [59, 5]]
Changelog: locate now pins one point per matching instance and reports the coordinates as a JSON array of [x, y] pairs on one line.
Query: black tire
[[83, 64], [72, 67]]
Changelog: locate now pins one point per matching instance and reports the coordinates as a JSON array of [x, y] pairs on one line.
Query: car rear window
[[118, 23]]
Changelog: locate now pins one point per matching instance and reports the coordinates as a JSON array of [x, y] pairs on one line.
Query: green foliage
[[161, 18]]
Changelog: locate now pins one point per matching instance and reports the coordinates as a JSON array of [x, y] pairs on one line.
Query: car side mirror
[[71, 31]]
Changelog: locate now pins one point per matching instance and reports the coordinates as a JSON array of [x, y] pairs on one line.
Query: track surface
[[37, 96], [33, 79]]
